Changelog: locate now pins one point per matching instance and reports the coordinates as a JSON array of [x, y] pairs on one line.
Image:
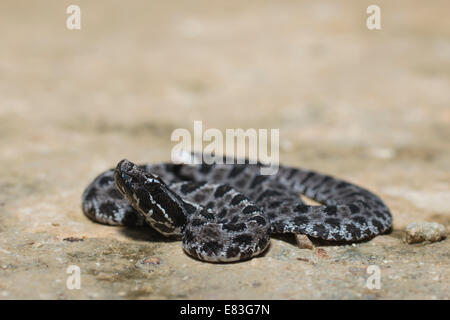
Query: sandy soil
[[368, 106]]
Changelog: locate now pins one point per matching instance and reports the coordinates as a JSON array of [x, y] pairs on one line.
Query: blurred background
[[370, 106]]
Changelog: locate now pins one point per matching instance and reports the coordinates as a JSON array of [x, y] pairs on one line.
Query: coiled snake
[[226, 213]]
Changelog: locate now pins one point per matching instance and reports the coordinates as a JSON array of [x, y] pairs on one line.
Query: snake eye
[[153, 184], [152, 179]]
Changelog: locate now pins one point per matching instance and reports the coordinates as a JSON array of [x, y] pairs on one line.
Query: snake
[[226, 212]]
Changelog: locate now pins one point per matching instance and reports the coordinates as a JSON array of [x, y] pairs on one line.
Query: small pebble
[[356, 271], [306, 260], [148, 263], [425, 231], [322, 253], [73, 239], [151, 260], [303, 242], [105, 276]]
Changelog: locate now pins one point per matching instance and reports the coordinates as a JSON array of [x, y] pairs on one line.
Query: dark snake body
[[226, 213]]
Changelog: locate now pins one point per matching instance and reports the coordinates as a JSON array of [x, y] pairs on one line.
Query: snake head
[[151, 197]]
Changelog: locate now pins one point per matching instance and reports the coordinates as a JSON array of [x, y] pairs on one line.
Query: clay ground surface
[[371, 107]]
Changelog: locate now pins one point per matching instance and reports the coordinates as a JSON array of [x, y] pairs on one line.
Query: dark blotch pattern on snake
[[226, 212]]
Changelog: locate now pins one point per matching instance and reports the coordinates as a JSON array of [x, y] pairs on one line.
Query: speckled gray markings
[[226, 213]]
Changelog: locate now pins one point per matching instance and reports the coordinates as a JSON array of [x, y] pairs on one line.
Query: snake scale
[[227, 212]]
